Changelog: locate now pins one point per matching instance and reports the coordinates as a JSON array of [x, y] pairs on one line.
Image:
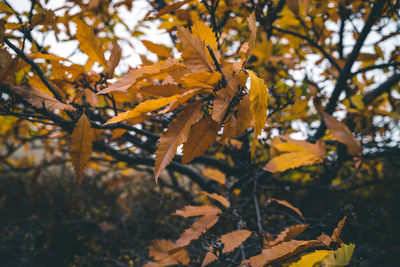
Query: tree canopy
[[251, 113]]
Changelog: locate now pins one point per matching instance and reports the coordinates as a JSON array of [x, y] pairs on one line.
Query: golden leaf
[[158, 49], [342, 134], [201, 79], [201, 136], [89, 43], [135, 75], [81, 145], [142, 109], [214, 175], [5, 8], [231, 241], [207, 35], [47, 56], [177, 133], [258, 105], [340, 257], [37, 98]]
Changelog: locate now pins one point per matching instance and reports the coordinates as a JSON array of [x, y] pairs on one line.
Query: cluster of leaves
[[226, 96]]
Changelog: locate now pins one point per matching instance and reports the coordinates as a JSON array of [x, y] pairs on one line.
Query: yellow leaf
[[340, 257], [135, 75], [258, 105], [142, 109], [309, 259], [89, 43], [215, 175], [201, 79], [5, 8], [81, 145], [231, 241], [37, 98], [218, 198], [182, 99], [158, 49], [47, 56], [176, 134], [171, 7], [342, 134], [291, 160], [201, 136], [206, 34]]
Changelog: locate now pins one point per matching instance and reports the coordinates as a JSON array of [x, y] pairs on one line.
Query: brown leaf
[[289, 233], [336, 232], [196, 229], [231, 241], [342, 134], [215, 175], [113, 61], [325, 239], [37, 98], [177, 133], [251, 21], [81, 145], [287, 205], [222, 200], [135, 75], [281, 251], [158, 49], [223, 98], [193, 51], [171, 7], [201, 136], [164, 90], [192, 211], [166, 253]]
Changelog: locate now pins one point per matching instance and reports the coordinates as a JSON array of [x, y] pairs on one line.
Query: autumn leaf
[[340, 257], [289, 233], [81, 145], [143, 108], [192, 211], [342, 134], [201, 79], [158, 49], [193, 51], [258, 105], [165, 90], [135, 75], [224, 98], [171, 7], [214, 175], [336, 232], [251, 21], [115, 58], [166, 253], [287, 205], [201, 136], [177, 133], [207, 35], [310, 259], [222, 200], [281, 251], [39, 99], [89, 43], [231, 241]]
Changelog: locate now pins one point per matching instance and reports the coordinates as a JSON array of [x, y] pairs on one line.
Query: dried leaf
[[201, 79], [214, 175], [177, 133], [196, 229], [47, 56], [115, 57], [287, 205], [289, 233], [37, 98], [207, 35], [193, 51], [231, 241], [117, 133], [342, 134], [171, 7], [135, 75], [251, 21], [143, 108], [166, 253], [81, 145], [192, 211], [325, 239], [258, 105], [218, 198], [223, 98], [336, 232], [164, 90], [280, 252], [89, 43], [201, 136]]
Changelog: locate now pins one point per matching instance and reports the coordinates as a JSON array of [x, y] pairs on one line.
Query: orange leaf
[[38, 98], [223, 98], [81, 145], [171, 7], [201, 136], [287, 205], [166, 253], [135, 75], [192, 211], [342, 134], [289, 233], [280, 252], [218, 198], [196, 229], [177, 133], [158, 49], [336, 232], [231, 241], [164, 90], [215, 175], [251, 21], [115, 57]]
